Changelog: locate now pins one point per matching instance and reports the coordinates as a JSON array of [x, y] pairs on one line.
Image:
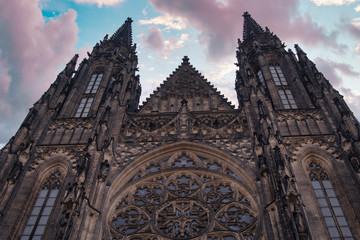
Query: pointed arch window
[[94, 83], [84, 107], [329, 204], [287, 99], [278, 76], [42, 209]]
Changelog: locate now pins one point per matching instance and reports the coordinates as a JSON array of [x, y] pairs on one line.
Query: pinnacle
[[250, 26], [299, 50]]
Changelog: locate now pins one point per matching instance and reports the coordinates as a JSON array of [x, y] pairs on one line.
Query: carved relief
[[183, 204], [73, 154], [188, 160], [68, 131], [301, 122], [296, 144]]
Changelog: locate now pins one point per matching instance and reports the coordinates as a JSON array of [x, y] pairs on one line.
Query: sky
[[38, 37]]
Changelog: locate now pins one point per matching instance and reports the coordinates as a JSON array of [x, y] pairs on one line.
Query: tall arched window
[[285, 94], [84, 107], [278, 76], [287, 99], [94, 83], [329, 204], [41, 211]]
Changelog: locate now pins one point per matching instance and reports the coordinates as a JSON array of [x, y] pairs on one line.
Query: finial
[[185, 60]]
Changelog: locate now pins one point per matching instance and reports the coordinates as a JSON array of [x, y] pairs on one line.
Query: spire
[[124, 34], [250, 26]]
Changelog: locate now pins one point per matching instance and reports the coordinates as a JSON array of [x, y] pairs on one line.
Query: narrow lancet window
[[287, 99], [278, 76], [261, 78], [330, 207], [84, 107], [94, 83], [42, 209], [198, 107]]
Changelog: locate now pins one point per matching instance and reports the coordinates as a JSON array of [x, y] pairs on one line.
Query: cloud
[[32, 53], [352, 100], [332, 71], [101, 2], [220, 24], [357, 8], [332, 2], [222, 76], [5, 80], [155, 41], [221, 71], [354, 29], [170, 22]]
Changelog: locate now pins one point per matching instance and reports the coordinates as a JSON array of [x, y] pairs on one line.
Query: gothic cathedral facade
[[89, 163]]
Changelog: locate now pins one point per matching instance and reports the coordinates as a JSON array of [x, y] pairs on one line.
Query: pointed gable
[[185, 83]]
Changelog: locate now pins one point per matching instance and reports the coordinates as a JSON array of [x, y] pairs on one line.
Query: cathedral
[[89, 162]]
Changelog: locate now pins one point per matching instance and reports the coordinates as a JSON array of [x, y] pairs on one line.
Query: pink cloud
[[331, 71], [154, 39], [36, 47], [35, 50], [101, 2], [220, 23], [330, 68], [5, 80]]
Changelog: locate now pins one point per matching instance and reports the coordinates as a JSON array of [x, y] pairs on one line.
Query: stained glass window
[[330, 207], [84, 107], [184, 204], [287, 99], [278, 76], [41, 211], [94, 83]]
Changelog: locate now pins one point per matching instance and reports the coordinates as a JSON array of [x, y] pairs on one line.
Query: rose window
[[184, 205]]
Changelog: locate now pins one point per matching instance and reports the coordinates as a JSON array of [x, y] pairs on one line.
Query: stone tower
[[89, 163]]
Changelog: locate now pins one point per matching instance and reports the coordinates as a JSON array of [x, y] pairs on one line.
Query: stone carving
[[15, 172], [186, 204], [104, 169], [185, 162]]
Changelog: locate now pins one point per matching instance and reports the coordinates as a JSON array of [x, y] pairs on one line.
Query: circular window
[[184, 205]]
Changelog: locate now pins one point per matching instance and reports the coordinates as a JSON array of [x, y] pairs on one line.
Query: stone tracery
[[184, 202]]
